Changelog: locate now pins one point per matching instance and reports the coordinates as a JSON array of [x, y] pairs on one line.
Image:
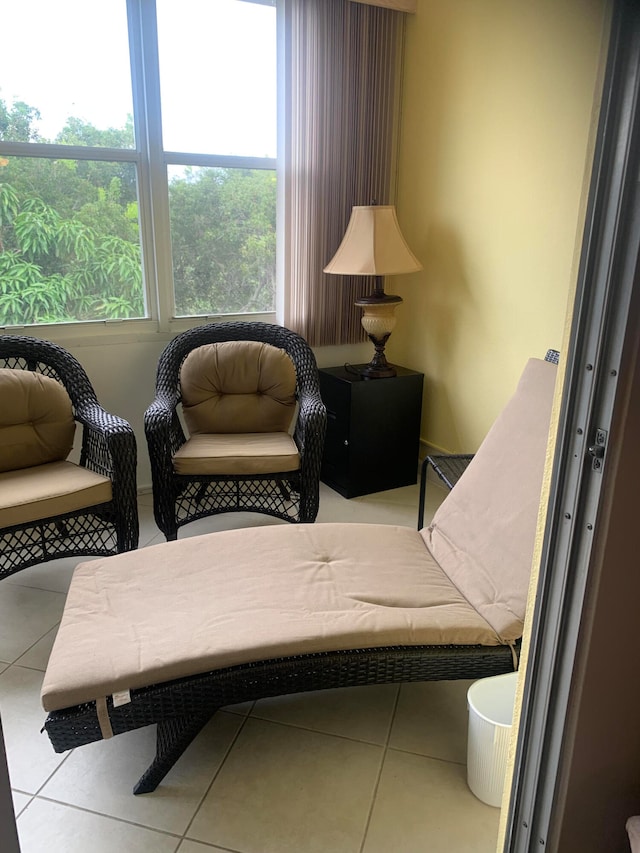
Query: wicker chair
[[179, 498], [108, 449]]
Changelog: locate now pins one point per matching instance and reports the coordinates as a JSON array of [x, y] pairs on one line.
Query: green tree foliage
[[223, 239], [69, 244], [69, 234], [16, 123]]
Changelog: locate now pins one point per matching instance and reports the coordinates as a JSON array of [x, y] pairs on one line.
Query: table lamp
[[373, 245]]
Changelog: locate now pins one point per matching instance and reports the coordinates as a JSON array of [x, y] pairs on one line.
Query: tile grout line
[[24, 794], [45, 799], [215, 776], [428, 757], [317, 731], [383, 758]]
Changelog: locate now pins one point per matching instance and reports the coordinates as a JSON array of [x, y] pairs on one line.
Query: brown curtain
[[343, 71]]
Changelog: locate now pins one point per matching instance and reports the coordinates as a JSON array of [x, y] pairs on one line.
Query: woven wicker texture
[[182, 707], [108, 448], [180, 499]]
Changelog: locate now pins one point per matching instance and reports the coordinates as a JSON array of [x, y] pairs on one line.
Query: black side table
[[373, 430]]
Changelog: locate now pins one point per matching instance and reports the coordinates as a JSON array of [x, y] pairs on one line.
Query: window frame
[[151, 163]]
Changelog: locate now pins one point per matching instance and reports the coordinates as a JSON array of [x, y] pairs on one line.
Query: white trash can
[[490, 702]]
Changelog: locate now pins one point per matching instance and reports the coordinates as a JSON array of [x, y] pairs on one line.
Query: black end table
[[373, 430]]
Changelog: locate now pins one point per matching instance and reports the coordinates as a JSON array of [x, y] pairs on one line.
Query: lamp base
[[378, 321], [378, 367]]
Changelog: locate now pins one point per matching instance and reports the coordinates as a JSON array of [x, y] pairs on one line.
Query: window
[[137, 170]]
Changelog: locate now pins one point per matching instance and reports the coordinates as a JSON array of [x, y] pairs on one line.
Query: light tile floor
[[376, 769]]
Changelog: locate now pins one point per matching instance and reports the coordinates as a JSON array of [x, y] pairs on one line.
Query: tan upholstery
[[36, 420], [249, 453], [213, 601], [238, 387], [482, 535], [47, 490]]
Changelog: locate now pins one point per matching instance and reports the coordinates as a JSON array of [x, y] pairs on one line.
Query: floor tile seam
[[392, 748], [383, 759], [27, 650], [32, 586], [392, 716], [205, 794], [63, 760], [26, 666], [97, 813], [22, 808], [315, 731], [227, 709], [212, 846], [17, 665]]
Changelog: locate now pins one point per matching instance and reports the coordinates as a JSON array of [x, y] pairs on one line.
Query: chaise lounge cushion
[[238, 596], [482, 536]]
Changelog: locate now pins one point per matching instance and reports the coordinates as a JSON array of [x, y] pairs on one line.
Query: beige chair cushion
[[207, 602], [36, 420], [238, 386], [249, 453], [483, 533], [43, 491]]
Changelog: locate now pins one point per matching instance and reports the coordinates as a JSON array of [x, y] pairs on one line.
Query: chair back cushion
[[36, 420], [238, 386], [484, 531]]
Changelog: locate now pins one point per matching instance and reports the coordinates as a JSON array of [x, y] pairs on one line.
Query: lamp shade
[[373, 245]]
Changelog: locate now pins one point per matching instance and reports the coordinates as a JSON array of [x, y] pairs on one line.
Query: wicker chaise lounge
[[170, 633]]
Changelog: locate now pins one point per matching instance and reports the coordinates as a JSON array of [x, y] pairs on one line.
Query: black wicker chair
[[178, 498], [108, 448]]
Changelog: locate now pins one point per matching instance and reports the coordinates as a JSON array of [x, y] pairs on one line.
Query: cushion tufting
[[36, 420], [238, 386]]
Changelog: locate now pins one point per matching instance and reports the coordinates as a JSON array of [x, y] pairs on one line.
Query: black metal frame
[[108, 448], [449, 467], [178, 499]]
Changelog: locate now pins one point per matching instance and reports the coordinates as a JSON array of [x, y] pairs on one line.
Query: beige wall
[[497, 108]]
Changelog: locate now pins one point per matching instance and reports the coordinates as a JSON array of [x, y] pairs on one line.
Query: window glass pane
[[65, 64], [218, 76], [69, 241], [223, 238]]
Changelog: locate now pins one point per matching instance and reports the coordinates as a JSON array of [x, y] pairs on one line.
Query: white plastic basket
[[490, 702]]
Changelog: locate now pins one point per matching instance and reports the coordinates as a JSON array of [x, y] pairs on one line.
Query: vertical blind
[[400, 5], [343, 67]]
